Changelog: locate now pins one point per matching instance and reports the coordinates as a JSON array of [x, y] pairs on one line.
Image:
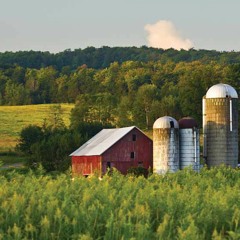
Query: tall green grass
[[14, 118], [185, 205]]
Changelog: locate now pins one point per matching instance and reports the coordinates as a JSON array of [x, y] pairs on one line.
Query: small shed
[[121, 148]]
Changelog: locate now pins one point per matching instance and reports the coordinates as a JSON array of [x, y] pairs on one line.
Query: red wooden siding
[[119, 155], [86, 165]]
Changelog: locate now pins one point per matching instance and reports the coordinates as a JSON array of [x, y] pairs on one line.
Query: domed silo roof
[[166, 122], [221, 91], [187, 122]]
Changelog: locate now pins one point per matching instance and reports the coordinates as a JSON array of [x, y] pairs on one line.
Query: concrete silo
[[189, 144], [165, 145], [220, 126]]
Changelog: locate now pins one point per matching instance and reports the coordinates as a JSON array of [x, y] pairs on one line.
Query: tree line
[[99, 58], [123, 94]]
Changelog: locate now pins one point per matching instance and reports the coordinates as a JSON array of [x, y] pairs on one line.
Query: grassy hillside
[[14, 118]]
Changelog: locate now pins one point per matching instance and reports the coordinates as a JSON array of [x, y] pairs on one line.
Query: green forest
[[110, 87], [117, 86]]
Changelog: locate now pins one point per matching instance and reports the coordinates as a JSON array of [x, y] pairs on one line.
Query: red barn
[[121, 148]]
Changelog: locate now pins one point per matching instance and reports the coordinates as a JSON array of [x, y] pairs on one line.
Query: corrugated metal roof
[[102, 141]]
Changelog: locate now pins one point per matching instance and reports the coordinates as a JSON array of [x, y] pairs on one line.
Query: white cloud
[[163, 34]]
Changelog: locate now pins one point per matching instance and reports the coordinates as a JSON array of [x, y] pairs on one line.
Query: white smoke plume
[[163, 34]]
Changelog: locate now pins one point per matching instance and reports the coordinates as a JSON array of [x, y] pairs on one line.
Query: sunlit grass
[[14, 118]]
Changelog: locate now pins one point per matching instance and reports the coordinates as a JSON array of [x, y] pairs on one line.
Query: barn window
[[108, 164], [171, 124], [132, 155], [134, 137]]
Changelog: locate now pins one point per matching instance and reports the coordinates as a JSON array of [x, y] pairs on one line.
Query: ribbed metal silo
[[189, 144], [165, 145], [220, 126]]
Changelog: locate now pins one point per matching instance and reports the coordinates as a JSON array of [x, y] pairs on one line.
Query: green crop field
[[14, 118], [183, 205]]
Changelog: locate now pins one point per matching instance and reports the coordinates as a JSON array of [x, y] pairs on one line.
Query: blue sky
[[56, 25]]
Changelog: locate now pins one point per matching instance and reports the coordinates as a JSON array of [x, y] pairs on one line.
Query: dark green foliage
[[53, 151], [51, 145], [138, 171], [89, 129], [118, 86], [30, 135], [146, 96], [103, 57], [94, 108]]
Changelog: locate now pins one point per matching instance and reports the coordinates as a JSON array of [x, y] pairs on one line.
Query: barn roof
[[102, 141]]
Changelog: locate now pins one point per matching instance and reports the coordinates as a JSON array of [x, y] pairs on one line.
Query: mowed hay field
[[14, 118]]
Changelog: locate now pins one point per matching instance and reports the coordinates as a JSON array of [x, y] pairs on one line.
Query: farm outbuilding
[[165, 145], [189, 143], [220, 126], [121, 148]]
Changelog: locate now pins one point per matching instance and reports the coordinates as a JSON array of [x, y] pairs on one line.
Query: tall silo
[[220, 126], [189, 144], [165, 145]]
